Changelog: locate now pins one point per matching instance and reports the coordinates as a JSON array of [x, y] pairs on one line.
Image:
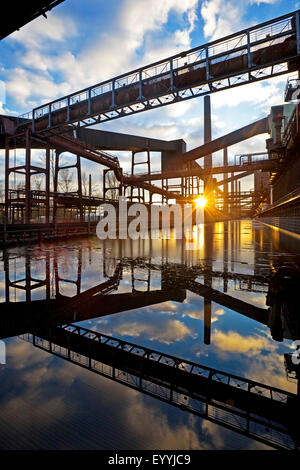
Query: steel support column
[[27, 178]]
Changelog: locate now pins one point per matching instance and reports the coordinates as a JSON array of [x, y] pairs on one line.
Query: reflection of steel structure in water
[[76, 282], [175, 279], [255, 410], [27, 283]]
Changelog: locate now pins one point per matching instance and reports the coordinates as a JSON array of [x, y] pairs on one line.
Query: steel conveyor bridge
[[250, 408], [253, 54]]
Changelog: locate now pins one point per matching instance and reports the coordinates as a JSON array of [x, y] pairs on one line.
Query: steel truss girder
[[250, 55], [141, 368]]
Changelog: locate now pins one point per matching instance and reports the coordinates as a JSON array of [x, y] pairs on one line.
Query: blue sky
[[82, 43]]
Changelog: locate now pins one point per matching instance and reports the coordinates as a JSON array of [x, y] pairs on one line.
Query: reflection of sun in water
[[201, 201]]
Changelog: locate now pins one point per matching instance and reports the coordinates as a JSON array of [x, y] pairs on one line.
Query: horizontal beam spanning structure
[[265, 165], [106, 140], [99, 139], [248, 310], [234, 178], [20, 317], [239, 135], [201, 390], [260, 52], [82, 149]]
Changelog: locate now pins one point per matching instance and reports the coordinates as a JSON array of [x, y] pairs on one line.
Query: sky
[[82, 43]]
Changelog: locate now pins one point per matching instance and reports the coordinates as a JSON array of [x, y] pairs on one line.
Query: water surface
[[48, 402]]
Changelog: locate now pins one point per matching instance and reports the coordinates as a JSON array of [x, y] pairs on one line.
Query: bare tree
[[66, 180], [37, 182], [21, 186], [42, 160], [2, 192], [85, 184], [112, 182]]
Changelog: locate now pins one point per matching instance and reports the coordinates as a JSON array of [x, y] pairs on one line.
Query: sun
[[201, 201]]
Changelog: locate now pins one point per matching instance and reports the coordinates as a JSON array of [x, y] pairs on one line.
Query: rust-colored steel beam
[[244, 133], [243, 57], [234, 178], [266, 165], [80, 148]]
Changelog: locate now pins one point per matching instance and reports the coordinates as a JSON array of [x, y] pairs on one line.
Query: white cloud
[[39, 32], [235, 343], [262, 95], [164, 330], [104, 56], [223, 17]]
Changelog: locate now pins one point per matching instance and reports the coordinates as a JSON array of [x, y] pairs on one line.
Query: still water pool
[[206, 306]]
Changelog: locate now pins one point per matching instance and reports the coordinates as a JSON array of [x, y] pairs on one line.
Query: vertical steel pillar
[[6, 192], [27, 179], [225, 255], [47, 183], [47, 278], [232, 193], [6, 269], [90, 200], [55, 184], [208, 247], [225, 187], [78, 166], [298, 31], [207, 138], [27, 278], [141, 192]]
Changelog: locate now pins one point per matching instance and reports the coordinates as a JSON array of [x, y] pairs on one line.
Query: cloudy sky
[[82, 43]]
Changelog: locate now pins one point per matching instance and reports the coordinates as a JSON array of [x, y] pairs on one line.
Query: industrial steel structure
[[16, 17], [30, 213], [263, 51]]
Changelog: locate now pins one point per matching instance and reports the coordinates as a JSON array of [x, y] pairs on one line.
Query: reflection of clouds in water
[[31, 402], [220, 438], [20, 355], [199, 314], [46, 396], [233, 342], [195, 314], [217, 312], [168, 307], [270, 370], [262, 359], [162, 330], [46, 410], [166, 436], [253, 298]]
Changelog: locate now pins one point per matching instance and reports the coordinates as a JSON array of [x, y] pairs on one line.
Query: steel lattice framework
[[258, 411], [257, 53]]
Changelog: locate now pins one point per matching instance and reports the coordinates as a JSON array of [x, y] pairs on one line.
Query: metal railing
[[245, 43], [197, 401]]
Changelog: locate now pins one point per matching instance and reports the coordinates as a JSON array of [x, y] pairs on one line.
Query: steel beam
[[258, 127], [201, 390], [253, 54]]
